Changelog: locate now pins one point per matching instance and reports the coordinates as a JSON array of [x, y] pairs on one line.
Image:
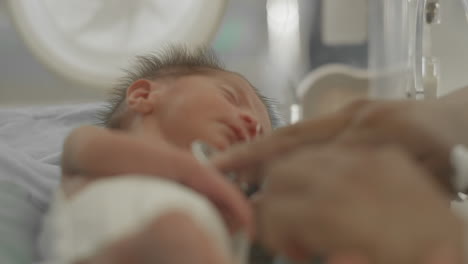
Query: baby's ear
[[139, 97]]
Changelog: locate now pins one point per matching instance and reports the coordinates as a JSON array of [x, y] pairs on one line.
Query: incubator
[[385, 51], [380, 48], [400, 48], [325, 52]]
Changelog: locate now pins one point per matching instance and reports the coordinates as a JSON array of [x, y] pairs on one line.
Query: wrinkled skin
[[377, 205], [372, 180], [427, 131]]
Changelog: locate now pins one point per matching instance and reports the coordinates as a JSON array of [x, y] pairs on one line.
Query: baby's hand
[[172, 238], [92, 153]]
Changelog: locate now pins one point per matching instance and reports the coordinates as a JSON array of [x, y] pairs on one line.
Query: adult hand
[[376, 204], [427, 130]]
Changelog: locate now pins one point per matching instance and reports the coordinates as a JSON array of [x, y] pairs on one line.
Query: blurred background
[[275, 44]]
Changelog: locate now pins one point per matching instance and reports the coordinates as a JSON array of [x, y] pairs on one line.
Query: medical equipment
[[396, 39], [389, 38], [400, 53]]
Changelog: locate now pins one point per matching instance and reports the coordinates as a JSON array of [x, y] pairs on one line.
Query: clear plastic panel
[[398, 53], [465, 5], [395, 37]]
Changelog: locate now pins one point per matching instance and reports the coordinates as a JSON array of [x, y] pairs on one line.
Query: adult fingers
[[285, 139]]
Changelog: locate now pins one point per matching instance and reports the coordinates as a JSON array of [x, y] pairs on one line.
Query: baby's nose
[[252, 126]]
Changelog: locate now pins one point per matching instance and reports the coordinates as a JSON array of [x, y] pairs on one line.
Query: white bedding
[[30, 146]]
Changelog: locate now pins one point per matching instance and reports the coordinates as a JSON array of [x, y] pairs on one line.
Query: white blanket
[[31, 142], [30, 146], [114, 208]]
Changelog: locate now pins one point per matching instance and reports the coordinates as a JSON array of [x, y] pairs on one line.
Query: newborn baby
[[125, 178]]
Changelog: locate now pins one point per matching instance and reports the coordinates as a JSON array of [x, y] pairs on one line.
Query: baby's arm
[[93, 152]]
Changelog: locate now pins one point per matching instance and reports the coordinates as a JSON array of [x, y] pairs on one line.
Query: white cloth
[[110, 209], [459, 160], [18, 225], [31, 140]]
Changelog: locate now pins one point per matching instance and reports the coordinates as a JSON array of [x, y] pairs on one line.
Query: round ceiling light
[[89, 41]]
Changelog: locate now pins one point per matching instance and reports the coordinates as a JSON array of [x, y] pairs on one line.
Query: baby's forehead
[[222, 76]]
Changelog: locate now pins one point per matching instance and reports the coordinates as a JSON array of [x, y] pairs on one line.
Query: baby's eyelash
[[231, 96]]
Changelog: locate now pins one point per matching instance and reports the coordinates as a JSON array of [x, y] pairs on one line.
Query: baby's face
[[217, 107]]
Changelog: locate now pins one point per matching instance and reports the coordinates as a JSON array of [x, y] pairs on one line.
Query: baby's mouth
[[237, 134]]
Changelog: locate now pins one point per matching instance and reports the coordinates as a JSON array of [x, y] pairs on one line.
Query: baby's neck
[[138, 127], [150, 132]]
